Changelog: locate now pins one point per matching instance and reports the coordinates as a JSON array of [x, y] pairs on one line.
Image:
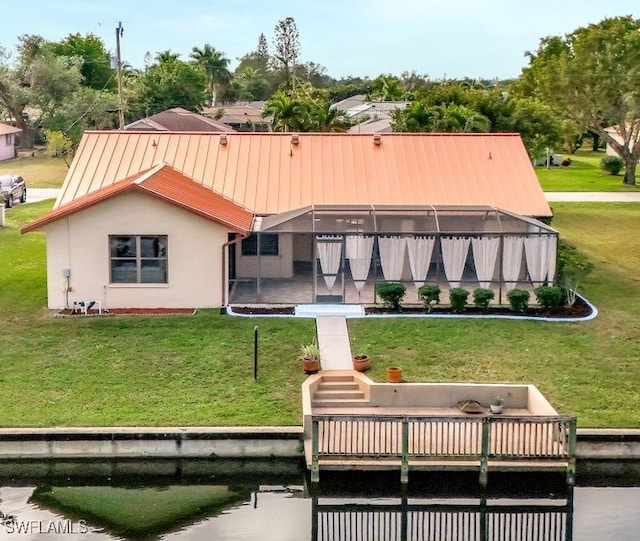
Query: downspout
[[225, 247]]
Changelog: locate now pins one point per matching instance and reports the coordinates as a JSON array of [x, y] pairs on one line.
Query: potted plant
[[361, 362], [310, 356], [496, 404]]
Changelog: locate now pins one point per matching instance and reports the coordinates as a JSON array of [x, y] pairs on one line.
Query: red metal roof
[[270, 173], [167, 184]]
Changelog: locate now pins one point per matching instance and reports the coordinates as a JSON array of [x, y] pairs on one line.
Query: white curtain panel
[[420, 251], [511, 259], [358, 251], [485, 255], [454, 255], [536, 254], [330, 253], [552, 252], [392, 251]]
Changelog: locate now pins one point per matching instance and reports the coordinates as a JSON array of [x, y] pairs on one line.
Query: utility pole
[[119, 32]]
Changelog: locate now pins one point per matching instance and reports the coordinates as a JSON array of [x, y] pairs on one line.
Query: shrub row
[[548, 297]]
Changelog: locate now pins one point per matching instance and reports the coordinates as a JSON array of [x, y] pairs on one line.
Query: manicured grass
[[39, 171], [197, 370], [583, 175]]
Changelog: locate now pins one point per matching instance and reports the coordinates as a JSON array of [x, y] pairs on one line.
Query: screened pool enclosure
[[338, 253]]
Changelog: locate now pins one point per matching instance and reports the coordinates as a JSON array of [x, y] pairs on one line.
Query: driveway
[[40, 194]]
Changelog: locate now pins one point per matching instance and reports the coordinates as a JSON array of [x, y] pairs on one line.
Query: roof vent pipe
[[377, 140], [223, 139]]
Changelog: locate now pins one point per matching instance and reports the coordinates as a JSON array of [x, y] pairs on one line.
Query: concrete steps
[[341, 391]]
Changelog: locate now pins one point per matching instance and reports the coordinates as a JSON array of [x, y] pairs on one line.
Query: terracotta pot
[[361, 363], [394, 374], [310, 366]]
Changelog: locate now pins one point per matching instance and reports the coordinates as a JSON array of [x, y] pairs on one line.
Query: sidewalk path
[[333, 339], [585, 197]]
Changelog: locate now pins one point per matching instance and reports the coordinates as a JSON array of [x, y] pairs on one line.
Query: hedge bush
[[518, 300], [391, 294], [611, 164], [429, 295], [458, 299], [549, 297], [482, 297]]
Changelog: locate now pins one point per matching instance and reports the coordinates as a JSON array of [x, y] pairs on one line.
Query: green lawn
[[39, 171], [197, 370], [583, 175]]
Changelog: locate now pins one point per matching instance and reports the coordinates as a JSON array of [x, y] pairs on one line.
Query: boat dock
[[352, 423]]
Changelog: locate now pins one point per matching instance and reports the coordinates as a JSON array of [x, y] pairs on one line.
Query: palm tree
[[215, 64], [252, 84], [166, 56], [325, 118], [287, 113]]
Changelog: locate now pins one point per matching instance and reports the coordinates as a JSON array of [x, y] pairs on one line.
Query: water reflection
[[271, 500]]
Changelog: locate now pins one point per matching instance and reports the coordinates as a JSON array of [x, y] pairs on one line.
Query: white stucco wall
[[80, 243], [7, 150]]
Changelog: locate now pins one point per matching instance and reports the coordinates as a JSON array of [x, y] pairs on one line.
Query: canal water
[[273, 501]]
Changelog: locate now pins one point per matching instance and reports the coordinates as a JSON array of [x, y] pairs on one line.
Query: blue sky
[[452, 38]]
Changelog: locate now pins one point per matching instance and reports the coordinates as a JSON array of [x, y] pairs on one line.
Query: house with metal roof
[[178, 119], [8, 141], [186, 219]]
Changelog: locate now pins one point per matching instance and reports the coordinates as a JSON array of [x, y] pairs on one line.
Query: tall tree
[[38, 80], [216, 66], [263, 48], [169, 83], [287, 46], [96, 64], [592, 75]]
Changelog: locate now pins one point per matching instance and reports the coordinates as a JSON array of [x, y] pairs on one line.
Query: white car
[[13, 188]]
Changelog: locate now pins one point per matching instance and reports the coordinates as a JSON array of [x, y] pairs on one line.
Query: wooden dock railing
[[418, 440], [451, 522]]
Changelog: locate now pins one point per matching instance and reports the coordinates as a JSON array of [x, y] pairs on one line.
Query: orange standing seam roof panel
[[164, 183], [269, 174]]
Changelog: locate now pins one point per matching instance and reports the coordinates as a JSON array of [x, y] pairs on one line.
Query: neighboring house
[[374, 125], [614, 132], [8, 141], [364, 114], [149, 220], [178, 119], [241, 117]]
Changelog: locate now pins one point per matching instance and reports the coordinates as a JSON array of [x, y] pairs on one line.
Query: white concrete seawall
[[230, 442]]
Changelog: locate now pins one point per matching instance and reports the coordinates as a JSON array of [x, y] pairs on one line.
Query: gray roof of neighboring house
[[179, 119], [236, 114], [373, 125], [350, 102], [375, 109], [357, 107]]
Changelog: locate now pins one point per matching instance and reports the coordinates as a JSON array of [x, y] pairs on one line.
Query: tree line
[[583, 84]]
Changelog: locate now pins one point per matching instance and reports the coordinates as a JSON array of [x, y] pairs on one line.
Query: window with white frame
[[138, 259]]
